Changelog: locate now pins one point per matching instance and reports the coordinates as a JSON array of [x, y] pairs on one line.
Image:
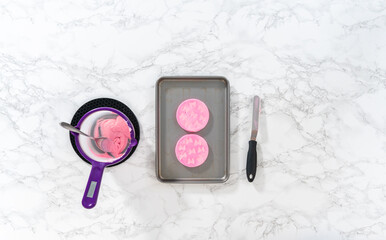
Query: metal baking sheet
[[214, 92]]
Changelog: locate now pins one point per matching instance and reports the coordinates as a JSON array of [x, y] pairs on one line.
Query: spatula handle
[[251, 161]]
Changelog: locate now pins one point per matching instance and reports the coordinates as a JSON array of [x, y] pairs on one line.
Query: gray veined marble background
[[320, 67]]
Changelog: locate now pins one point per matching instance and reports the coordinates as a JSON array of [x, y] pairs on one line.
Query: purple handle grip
[[91, 192]]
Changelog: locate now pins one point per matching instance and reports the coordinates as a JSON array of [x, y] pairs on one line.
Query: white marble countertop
[[320, 67]]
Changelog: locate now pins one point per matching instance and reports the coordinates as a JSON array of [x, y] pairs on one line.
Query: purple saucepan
[[91, 192]]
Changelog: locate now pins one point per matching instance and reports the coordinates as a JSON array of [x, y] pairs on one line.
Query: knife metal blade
[[255, 117]]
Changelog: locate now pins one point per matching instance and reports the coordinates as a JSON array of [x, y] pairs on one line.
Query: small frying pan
[[85, 119]]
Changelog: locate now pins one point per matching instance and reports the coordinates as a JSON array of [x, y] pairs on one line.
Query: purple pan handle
[[91, 192]]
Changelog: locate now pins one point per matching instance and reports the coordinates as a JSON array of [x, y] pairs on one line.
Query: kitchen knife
[[252, 154]]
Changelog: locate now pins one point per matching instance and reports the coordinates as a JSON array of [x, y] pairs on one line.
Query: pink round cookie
[[192, 115], [192, 150]]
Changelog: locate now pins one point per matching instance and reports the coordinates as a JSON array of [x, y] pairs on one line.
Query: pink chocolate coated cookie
[[192, 150], [192, 115]]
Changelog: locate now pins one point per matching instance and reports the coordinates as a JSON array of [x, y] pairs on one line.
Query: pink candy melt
[[117, 133], [192, 150], [192, 115]]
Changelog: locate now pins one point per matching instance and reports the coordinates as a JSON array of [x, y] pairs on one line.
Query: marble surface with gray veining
[[319, 66]]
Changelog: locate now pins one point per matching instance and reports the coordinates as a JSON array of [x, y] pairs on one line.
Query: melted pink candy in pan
[[192, 115], [117, 133], [192, 150]]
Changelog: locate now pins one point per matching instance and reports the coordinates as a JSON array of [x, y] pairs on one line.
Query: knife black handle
[[251, 161]]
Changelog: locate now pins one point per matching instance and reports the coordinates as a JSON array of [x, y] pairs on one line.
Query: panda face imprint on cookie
[[192, 115], [192, 150]]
